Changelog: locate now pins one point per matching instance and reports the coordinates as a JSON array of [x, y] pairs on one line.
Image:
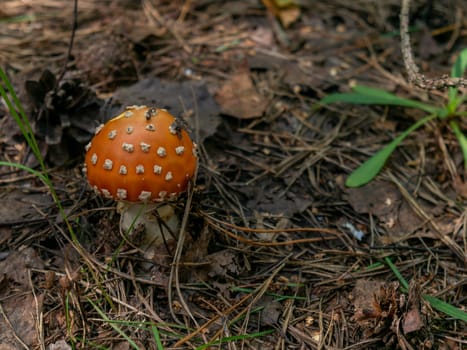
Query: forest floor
[[278, 252]]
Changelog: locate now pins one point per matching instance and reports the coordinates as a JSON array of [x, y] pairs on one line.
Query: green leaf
[[368, 170], [448, 309], [157, 338], [457, 71], [461, 138], [372, 96]]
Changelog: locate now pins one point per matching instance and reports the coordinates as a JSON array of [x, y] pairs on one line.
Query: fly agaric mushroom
[[143, 158]]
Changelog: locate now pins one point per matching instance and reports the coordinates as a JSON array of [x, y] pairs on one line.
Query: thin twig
[[174, 270], [39, 321], [412, 70], [70, 45]]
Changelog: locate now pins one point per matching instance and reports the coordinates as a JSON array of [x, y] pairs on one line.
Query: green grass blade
[[114, 326], [157, 338], [446, 308], [67, 317], [457, 71], [435, 303], [234, 338], [396, 272], [14, 106], [372, 96], [368, 170], [39, 175], [19, 19], [460, 65], [19, 115], [17, 112], [461, 138]]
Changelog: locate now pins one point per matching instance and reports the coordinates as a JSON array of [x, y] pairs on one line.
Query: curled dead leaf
[[287, 11], [412, 321], [239, 98]]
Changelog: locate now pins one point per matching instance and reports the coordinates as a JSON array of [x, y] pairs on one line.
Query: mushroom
[[142, 158]]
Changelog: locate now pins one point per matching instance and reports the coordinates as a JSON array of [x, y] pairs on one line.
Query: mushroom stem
[[157, 222]]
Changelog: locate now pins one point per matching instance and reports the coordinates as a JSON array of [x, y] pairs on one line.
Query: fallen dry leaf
[[238, 98], [16, 266], [271, 312], [378, 198], [223, 263], [20, 310], [289, 15], [286, 10], [460, 186], [121, 346], [59, 345], [384, 200], [263, 37], [412, 321], [189, 99]]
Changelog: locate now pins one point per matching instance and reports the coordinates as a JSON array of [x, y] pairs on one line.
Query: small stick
[[412, 70], [70, 45]]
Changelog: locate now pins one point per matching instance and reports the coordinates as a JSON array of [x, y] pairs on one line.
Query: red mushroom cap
[[141, 155]]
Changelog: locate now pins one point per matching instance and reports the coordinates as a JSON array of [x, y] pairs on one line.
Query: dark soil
[[278, 253]]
